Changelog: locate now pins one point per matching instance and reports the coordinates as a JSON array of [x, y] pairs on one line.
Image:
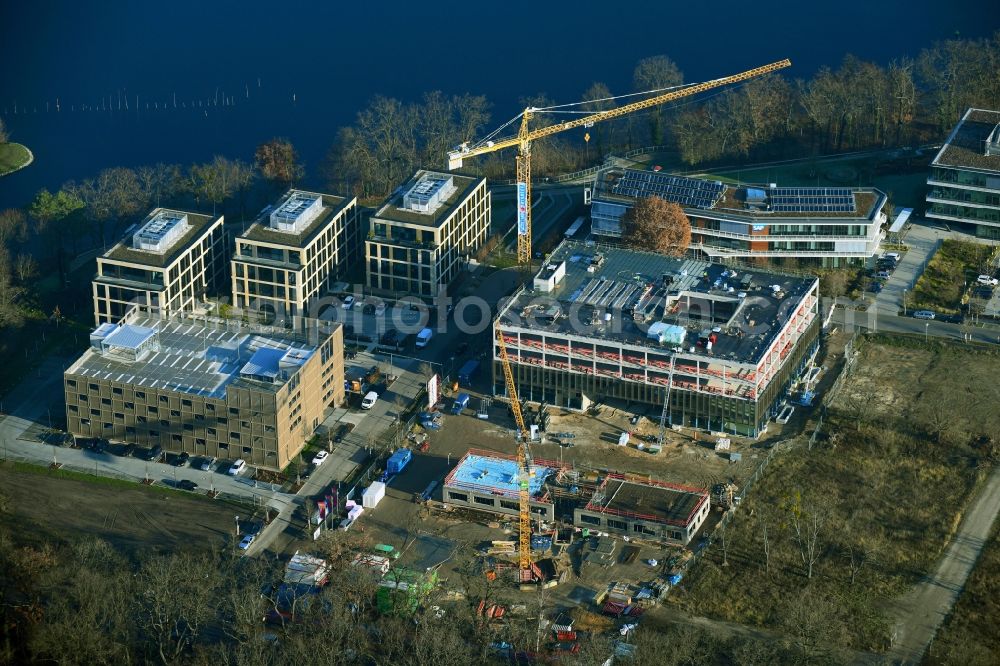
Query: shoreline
[[31, 158]]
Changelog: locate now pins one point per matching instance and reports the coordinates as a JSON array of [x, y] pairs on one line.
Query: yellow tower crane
[[525, 136], [524, 467]]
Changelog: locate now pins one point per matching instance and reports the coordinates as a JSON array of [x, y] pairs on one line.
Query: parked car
[[876, 287], [182, 459], [99, 445], [208, 463], [184, 484], [129, 450], [348, 302], [369, 400], [369, 309], [923, 314], [154, 453], [247, 541], [307, 472], [320, 457], [988, 280], [894, 256], [237, 467], [883, 275]]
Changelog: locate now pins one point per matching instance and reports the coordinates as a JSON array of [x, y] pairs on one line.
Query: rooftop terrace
[[187, 356], [649, 500], [616, 295], [159, 230], [966, 147], [496, 473], [394, 209], [287, 210]]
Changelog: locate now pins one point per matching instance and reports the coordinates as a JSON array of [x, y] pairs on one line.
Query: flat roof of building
[[123, 251], [495, 473], [648, 500], [261, 229], [629, 291], [699, 196], [392, 209], [966, 146], [185, 355]]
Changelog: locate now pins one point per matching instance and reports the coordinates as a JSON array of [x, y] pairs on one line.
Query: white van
[[423, 337], [369, 400]]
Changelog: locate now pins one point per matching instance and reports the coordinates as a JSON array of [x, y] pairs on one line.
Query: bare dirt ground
[[47, 508]]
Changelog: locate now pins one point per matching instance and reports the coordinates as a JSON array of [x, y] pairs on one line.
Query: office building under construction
[[720, 346]]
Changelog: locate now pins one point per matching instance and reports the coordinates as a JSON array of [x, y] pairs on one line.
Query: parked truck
[[468, 372], [398, 461]]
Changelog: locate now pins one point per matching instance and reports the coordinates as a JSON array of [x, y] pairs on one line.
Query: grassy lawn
[[886, 488], [12, 156], [969, 637], [943, 282]]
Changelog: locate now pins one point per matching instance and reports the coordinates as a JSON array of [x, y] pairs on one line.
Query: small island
[[14, 156]]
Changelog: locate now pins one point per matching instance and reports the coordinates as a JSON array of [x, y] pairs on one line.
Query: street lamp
[[237, 525], [904, 301], [927, 326]]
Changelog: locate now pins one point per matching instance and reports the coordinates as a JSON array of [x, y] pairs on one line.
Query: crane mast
[[524, 467], [525, 135]]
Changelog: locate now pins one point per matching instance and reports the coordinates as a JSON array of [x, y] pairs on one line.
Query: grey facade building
[[965, 175], [168, 262], [422, 236], [294, 253]]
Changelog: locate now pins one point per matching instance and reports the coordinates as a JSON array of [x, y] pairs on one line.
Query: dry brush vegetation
[[831, 535]]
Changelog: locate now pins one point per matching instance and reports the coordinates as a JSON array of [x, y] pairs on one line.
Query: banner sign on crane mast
[[522, 209]]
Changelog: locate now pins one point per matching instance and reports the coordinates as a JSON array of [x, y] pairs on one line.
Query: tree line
[[857, 105], [86, 602]]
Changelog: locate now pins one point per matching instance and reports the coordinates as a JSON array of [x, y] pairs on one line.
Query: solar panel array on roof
[[680, 190], [811, 200]]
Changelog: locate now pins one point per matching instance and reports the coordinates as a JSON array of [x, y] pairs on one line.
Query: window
[[105, 401], [484, 500], [163, 398], [210, 431], [513, 506], [175, 412], [676, 536], [188, 426], [74, 408], [176, 438], [200, 441], [95, 412], [129, 406], [209, 407], [116, 391], [617, 524], [140, 395], [71, 383], [165, 423], [246, 449], [234, 436], [93, 387], [458, 497], [592, 520], [152, 410], [186, 403]]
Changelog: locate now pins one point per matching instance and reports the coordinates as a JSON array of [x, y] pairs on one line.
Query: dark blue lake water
[[244, 72]]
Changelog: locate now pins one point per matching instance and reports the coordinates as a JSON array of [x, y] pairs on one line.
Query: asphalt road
[[875, 321], [920, 613]]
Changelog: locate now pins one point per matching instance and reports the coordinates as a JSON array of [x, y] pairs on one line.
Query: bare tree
[[807, 523], [763, 518], [25, 267], [656, 73], [657, 225]]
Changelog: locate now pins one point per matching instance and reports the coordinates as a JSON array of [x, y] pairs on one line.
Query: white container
[[372, 495]]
